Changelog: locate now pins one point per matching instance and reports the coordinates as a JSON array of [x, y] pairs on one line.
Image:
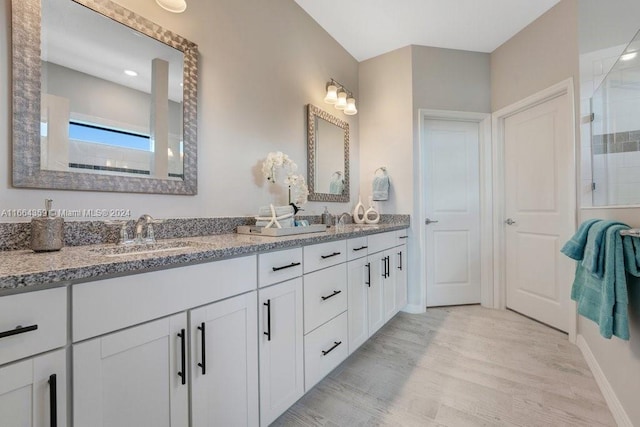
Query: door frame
[[497, 125], [486, 200]]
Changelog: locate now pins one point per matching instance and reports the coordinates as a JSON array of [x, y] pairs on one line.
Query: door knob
[[429, 221], [509, 221]]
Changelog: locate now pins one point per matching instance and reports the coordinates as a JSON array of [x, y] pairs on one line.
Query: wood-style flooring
[[457, 366]]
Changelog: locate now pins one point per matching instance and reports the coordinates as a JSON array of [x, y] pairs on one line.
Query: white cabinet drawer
[[111, 304], [325, 295], [382, 241], [324, 255], [32, 323], [357, 248], [402, 236], [324, 349], [275, 267]]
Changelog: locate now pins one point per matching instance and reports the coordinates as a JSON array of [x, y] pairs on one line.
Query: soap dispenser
[[326, 217], [47, 231]]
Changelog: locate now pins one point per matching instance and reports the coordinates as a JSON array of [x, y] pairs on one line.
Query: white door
[[538, 211], [33, 393], [281, 348], [358, 287], [224, 363], [453, 212], [133, 378]]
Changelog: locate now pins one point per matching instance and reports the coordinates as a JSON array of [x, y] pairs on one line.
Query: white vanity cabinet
[[135, 377], [33, 384], [224, 363], [280, 337], [33, 392]]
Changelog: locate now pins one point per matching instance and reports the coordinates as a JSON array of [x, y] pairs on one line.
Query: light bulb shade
[[175, 6], [332, 94], [342, 101], [350, 109]]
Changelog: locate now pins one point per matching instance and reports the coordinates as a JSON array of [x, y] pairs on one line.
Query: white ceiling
[[368, 28]]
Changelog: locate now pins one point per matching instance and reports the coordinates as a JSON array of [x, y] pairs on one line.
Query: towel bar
[[635, 232]]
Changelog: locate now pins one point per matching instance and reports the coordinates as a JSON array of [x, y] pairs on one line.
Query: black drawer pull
[[293, 264], [203, 351], [183, 355], [331, 296], [268, 333], [335, 344], [18, 330], [368, 282], [400, 266], [329, 256], [403, 237], [360, 248], [53, 400]]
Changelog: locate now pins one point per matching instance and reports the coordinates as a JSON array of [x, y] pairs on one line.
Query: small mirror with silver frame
[[327, 156]]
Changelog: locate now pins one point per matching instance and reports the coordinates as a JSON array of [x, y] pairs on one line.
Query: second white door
[[539, 177], [453, 212]]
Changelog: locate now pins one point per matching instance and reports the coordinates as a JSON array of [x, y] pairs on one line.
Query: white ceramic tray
[[275, 232]]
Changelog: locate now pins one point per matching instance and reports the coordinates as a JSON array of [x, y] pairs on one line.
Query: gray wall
[[539, 56], [260, 64], [393, 87]]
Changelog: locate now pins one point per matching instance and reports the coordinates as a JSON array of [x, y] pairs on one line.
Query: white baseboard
[[414, 309], [618, 412]]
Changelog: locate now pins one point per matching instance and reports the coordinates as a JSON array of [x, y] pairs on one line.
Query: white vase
[[371, 215], [359, 212]]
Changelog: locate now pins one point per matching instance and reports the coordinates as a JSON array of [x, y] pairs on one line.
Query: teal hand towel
[[594, 254], [574, 248], [604, 300]]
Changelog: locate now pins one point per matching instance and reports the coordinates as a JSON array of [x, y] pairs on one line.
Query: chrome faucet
[[145, 220], [344, 218]]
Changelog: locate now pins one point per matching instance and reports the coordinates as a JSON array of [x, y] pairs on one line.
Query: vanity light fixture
[[175, 6], [341, 97]]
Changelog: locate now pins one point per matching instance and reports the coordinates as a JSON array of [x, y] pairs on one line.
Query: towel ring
[[381, 168], [337, 173]]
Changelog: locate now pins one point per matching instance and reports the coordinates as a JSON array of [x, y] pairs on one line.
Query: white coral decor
[[297, 186]]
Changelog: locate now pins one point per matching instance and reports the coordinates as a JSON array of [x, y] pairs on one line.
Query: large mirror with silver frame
[[328, 156], [103, 99]]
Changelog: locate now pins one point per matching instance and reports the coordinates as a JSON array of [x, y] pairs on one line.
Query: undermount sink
[[145, 248]]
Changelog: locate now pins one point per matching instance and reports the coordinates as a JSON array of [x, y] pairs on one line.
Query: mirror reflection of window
[[128, 86]]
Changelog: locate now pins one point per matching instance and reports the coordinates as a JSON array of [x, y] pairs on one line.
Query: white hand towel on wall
[[381, 184]]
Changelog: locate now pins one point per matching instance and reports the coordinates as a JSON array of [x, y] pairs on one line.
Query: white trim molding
[[486, 199], [498, 119], [615, 406]]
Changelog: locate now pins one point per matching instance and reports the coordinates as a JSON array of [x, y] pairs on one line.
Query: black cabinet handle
[[368, 282], [268, 333], [403, 237], [53, 400], [335, 344], [293, 264], [400, 266], [183, 355], [384, 267], [329, 256], [203, 351], [331, 296], [360, 248], [18, 330]]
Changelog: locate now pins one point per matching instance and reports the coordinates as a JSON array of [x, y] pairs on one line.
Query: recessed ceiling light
[[628, 56], [130, 73], [175, 6]]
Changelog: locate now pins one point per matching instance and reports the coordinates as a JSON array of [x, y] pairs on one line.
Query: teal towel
[[605, 300], [574, 248], [594, 254], [336, 186]]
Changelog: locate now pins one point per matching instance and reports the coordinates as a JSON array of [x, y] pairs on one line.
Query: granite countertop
[[23, 268]]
